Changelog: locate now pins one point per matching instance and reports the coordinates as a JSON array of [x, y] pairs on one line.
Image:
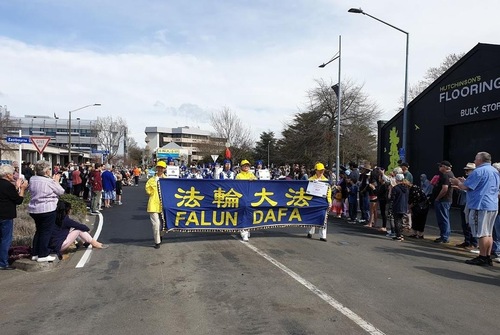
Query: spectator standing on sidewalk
[[11, 195], [76, 177], [419, 207], [442, 195], [495, 250], [119, 186], [482, 187], [108, 185], [470, 242], [95, 181], [399, 200], [45, 191], [364, 200]]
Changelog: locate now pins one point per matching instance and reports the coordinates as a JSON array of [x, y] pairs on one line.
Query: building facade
[[454, 118], [197, 142], [83, 136]]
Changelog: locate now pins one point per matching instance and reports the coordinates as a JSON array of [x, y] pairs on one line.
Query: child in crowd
[[337, 204]]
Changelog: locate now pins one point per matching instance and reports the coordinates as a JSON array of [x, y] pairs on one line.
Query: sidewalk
[[431, 232]]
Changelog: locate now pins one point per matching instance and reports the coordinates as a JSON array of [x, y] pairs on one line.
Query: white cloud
[[181, 63]]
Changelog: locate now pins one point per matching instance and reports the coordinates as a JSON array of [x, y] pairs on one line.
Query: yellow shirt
[[154, 204], [245, 176]]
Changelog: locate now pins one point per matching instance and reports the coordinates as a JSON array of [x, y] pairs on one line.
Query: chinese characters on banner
[[192, 205]]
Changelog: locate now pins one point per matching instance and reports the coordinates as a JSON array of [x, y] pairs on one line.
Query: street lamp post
[[268, 161], [405, 107], [337, 89], [69, 126]]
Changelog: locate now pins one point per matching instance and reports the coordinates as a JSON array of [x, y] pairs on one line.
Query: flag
[[228, 154]]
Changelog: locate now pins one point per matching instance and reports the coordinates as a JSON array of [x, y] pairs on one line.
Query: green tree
[[311, 135], [265, 148]]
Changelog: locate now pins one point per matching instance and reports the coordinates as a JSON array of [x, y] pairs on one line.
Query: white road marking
[[86, 255], [368, 327]]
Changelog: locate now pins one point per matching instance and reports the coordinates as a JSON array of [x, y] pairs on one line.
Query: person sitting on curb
[[67, 230]]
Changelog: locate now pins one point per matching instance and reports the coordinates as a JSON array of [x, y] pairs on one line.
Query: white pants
[[322, 231], [244, 234], [156, 224], [73, 235]]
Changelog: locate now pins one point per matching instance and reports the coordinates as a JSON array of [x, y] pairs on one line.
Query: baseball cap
[[445, 163], [245, 162], [161, 164]]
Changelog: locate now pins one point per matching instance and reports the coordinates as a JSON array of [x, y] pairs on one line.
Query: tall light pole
[[405, 107], [268, 161], [337, 89], [69, 126]]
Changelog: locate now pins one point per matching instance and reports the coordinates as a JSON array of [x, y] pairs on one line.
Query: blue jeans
[[442, 209], [496, 237], [364, 206], [44, 223], [6, 228]]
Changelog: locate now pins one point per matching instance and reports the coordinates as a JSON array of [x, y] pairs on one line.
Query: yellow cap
[[161, 164], [319, 166], [245, 162]]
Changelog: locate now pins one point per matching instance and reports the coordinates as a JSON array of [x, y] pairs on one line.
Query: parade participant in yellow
[[154, 204], [318, 176], [245, 174]]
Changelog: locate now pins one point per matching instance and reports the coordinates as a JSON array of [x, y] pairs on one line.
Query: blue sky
[[172, 63]]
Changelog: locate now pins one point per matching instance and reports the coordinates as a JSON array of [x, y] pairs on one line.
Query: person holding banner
[[319, 177], [227, 173], [154, 204], [245, 174]]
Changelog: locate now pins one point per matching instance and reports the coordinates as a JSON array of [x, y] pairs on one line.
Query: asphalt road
[[280, 282]]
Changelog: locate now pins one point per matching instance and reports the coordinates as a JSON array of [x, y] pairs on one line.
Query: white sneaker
[[496, 259], [475, 251], [119, 203], [46, 259], [245, 239], [34, 258]]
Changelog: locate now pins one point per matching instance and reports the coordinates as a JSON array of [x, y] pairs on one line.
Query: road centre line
[[86, 254], [368, 327]]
